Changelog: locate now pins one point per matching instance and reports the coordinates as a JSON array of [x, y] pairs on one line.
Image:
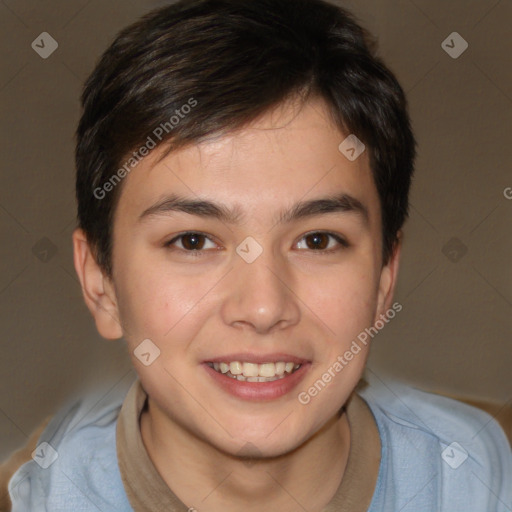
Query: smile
[[252, 372], [257, 377]]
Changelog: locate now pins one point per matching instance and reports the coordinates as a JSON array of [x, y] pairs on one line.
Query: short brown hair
[[236, 59]]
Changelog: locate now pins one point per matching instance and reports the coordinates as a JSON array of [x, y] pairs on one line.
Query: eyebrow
[[341, 203]]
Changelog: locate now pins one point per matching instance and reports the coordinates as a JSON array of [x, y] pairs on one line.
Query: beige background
[[454, 333]]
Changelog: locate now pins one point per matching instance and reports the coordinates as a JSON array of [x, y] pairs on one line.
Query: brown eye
[[193, 241], [323, 242], [317, 241]]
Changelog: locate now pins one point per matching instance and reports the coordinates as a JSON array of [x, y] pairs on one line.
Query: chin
[[265, 440]]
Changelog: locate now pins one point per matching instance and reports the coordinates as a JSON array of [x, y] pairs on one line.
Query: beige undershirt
[[148, 492]]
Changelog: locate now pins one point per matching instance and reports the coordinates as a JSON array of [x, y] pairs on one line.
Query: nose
[[260, 295]]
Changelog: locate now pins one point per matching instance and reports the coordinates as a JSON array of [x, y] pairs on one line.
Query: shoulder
[[440, 452], [15, 461], [74, 463]]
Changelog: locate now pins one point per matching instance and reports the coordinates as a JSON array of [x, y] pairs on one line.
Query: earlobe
[[388, 279], [98, 292]]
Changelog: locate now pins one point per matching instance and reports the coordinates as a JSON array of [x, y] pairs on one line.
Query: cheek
[[155, 303], [344, 301], [345, 304]]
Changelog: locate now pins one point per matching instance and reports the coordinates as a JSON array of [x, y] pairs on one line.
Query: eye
[[190, 242], [195, 243], [323, 242]]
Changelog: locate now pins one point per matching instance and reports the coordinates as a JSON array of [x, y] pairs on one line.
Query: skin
[[292, 298]]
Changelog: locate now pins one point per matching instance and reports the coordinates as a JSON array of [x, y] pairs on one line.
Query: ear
[[388, 279], [98, 290]]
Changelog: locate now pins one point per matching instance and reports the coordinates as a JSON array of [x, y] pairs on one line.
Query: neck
[[207, 478]]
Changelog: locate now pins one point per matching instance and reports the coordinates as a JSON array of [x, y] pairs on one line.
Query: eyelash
[[200, 252]]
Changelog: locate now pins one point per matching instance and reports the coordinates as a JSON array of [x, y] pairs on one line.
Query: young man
[[243, 169]]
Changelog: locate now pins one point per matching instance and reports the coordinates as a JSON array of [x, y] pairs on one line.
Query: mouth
[[253, 372], [257, 377]]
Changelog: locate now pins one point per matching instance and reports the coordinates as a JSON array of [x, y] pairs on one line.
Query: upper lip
[[257, 358]]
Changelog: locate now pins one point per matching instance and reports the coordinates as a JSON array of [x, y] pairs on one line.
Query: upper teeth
[[256, 370]]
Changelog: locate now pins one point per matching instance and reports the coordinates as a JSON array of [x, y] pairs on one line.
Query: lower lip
[[258, 391]]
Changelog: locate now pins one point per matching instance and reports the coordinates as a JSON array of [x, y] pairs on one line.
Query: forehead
[[289, 154]]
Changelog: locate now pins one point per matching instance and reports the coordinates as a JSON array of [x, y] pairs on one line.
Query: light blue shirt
[[438, 455]]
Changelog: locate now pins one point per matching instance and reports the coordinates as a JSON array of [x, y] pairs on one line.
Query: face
[[275, 268]]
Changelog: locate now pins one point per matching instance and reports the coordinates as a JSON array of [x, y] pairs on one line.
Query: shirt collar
[[148, 492]]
